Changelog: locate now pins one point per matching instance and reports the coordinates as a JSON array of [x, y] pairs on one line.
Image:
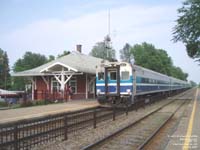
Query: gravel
[[89, 135]]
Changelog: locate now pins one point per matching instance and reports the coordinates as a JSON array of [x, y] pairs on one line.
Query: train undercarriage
[[128, 101]]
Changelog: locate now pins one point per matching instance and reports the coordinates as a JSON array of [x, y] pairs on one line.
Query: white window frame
[[115, 74], [53, 80], [91, 87], [74, 87], [128, 77]]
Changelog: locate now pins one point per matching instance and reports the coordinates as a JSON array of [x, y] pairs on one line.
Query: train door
[[112, 80]]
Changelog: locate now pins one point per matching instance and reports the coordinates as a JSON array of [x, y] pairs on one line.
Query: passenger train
[[122, 82]]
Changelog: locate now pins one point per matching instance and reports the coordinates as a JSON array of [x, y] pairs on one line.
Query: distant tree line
[[145, 55], [4, 70], [104, 50], [29, 60]]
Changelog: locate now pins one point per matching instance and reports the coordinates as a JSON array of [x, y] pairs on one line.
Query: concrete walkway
[[36, 111], [187, 135]]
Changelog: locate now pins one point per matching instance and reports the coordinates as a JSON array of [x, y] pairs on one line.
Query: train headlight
[[98, 91], [128, 91]]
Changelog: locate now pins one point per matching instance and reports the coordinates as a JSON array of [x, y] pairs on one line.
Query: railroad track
[[30, 133], [138, 134]]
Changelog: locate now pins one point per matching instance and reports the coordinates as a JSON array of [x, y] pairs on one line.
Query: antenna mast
[[109, 22], [107, 39]]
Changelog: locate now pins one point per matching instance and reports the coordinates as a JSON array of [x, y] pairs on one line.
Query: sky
[[51, 26]]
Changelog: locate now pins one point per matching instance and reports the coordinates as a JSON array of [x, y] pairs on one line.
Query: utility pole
[[109, 22], [107, 39], [132, 61]]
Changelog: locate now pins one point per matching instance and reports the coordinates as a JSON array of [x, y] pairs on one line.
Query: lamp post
[[132, 61], [107, 42]]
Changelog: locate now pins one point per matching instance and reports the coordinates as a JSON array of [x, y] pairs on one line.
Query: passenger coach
[[119, 82]]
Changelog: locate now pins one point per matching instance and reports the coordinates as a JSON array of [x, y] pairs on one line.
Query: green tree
[[177, 72], [4, 70], [51, 57], [193, 84], [63, 54], [187, 29], [103, 50], [29, 61], [125, 53], [147, 56]]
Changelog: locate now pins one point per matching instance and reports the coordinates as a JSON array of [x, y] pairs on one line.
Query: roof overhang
[[46, 73], [46, 69]]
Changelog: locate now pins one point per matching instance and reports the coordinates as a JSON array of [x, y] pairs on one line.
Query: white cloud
[[132, 24]]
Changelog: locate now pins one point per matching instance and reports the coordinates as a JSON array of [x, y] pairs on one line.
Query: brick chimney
[[79, 48]]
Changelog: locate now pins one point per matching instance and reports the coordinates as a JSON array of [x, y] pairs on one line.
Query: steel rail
[[88, 147], [159, 128]]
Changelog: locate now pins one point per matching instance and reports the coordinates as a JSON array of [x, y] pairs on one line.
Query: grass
[[25, 104], [35, 103], [3, 104]]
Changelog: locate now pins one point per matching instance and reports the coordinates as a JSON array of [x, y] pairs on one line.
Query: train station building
[[50, 81]]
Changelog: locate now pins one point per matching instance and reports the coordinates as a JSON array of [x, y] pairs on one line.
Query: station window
[[101, 76], [113, 75], [73, 84], [91, 87], [55, 85], [125, 75]]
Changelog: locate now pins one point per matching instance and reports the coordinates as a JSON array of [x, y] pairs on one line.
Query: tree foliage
[[28, 61], [4, 70], [63, 54], [193, 84], [125, 53], [146, 55], [51, 58], [103, 50], [187, 29], [177, 72]]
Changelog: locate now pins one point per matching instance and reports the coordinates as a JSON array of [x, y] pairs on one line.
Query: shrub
[[42, 102], [26, 104], [3, 104]]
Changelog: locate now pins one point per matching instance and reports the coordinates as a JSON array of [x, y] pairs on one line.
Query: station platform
[[37, 111], [187, 133]]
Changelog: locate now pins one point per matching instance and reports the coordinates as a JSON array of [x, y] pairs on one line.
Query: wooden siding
[[42, 92]]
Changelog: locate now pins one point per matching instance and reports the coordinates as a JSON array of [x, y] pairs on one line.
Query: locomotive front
[[114, 83]]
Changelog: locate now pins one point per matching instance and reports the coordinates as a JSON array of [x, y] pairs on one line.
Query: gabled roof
[[76, 61]]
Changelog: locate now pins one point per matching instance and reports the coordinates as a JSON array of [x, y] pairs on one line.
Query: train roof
[[140, 68], [163, 75]]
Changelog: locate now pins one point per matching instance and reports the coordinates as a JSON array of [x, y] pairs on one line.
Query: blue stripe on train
[[113, 88], [139, 88], [142, 88], [114, 81], [138, 80]]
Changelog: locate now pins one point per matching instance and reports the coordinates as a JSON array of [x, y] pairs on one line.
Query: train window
[[113, 75], [125, 75], [143, 80], [101, 76]]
